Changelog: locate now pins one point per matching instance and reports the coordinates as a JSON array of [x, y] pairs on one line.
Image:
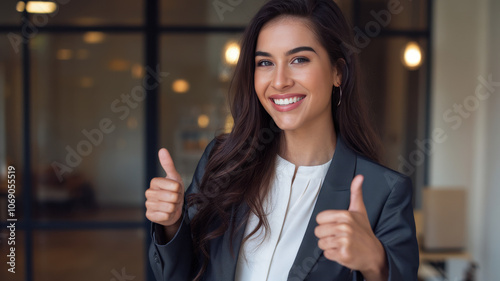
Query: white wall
[[466, 40], [492, 216]]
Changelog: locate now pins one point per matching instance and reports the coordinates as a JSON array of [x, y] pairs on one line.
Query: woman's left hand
[[346, 237]]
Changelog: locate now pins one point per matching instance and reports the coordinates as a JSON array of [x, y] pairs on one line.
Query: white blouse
[[288, 208]]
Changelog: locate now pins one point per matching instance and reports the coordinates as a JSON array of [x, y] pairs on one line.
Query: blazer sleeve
[[175, 260], [396, 231]]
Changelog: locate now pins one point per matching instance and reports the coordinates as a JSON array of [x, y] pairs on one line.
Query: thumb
[[168, 165], [357, 204]]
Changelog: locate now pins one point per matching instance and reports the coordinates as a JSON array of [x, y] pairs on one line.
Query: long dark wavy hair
[[241, 163]]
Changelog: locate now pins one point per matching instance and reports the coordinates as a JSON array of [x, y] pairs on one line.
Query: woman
[[281, 196]]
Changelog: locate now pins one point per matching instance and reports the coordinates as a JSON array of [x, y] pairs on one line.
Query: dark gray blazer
[[387, 195]]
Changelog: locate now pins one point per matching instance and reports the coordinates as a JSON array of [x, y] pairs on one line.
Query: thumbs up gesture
[[346, 237], [165, 196]]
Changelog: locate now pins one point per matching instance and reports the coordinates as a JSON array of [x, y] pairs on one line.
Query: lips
[[286, 102]]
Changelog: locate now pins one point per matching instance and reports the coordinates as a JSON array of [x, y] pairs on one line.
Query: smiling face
[[293, 75]]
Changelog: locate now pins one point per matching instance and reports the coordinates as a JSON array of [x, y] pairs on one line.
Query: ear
[[339, 67]]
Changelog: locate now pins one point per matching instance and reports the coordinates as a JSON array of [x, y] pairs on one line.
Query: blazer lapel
[[334, 194]]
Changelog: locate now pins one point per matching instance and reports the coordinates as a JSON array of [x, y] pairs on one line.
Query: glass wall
[[396, 97], [87, 124], [190, 116]]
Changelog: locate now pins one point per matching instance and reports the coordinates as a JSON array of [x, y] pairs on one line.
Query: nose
[[281, 78]]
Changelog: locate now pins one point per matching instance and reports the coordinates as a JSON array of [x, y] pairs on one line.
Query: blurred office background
[[90, 90]]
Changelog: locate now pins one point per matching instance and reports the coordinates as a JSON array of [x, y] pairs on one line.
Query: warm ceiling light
[[64, 54], [232, 53], [20, 6], [137, 71], [203, 121], [412, 56], [180, 86], [93, 37], [37, 7], [118, 65]]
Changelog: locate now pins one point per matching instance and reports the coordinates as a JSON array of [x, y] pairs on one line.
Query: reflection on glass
[[88, 255], [189, 121], [87, 122]]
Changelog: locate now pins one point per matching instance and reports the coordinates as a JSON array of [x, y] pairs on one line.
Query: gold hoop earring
[[340, 96]]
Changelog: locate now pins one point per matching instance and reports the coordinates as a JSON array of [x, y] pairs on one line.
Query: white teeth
[[287, 101]]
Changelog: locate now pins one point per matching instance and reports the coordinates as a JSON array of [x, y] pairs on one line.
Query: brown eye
[[300, 60], [264, 63]]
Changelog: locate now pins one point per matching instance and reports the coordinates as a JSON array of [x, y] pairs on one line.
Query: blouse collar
[[285, 167]]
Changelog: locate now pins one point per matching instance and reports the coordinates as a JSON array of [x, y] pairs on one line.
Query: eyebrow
[[291, 52]]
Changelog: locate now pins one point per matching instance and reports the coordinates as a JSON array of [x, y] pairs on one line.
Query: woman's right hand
[[165, 196]]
